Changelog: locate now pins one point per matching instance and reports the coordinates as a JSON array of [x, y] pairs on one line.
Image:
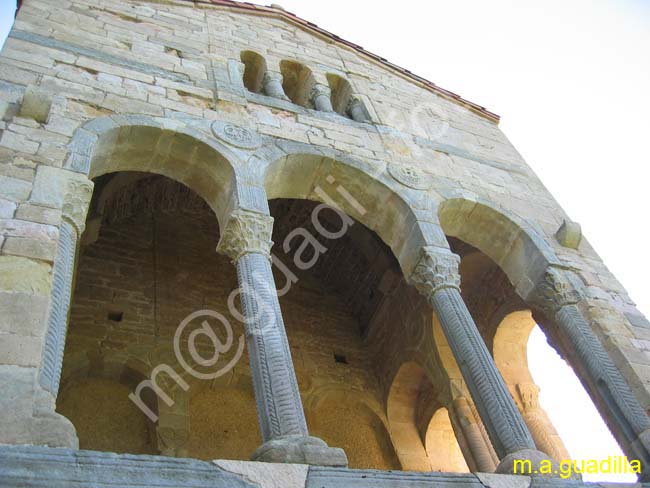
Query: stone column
[[436, 277], [321, 97], [272, 84], [29, 380], [557, 295], [246, 239], [356, 110], [540, 426], [470, 428]]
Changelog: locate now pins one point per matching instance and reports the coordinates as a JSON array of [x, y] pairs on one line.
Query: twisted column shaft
[[436, 277], [247, 241], [557, 295]]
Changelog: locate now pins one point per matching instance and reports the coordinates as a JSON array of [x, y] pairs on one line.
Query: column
[[557, 295], [272, 84], [356, 110], [321, 97], [246, 240], [436, 277], [479, 450], [540, 426]]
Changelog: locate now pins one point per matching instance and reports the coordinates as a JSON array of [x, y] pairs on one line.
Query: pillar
[[357, 111], [272, 84], [321, 97], [30, 381], [557, 296], [541, 428], [436, 277], [246, 240], [480, 451]]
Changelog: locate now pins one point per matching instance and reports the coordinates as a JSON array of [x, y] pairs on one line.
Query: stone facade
[[157, 155]]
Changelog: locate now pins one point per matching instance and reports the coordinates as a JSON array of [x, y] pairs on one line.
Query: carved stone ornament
[[246, 232], [76, 202], [410, 177], [437, 269], [236, 135], [555, 291]]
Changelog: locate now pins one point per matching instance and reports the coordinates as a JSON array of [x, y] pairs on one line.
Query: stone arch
[[510, 354], [127, 143], [254, 70], [360, 190], [341, 93], [507, 239], [94, 397], [160, 146], [297, 81], [348, 420], [402, 408], [441, 445]]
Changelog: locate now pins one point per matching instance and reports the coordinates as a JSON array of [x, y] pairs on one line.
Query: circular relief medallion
[[235, 135], [411, 177]]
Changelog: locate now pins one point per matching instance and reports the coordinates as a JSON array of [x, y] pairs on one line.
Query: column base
[[536, 458], [300, 450], [28, 412]]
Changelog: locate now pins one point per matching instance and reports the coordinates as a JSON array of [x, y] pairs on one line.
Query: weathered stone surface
[[19, 274], [268, 475], [32, 467], [343, 478], [36, 104]]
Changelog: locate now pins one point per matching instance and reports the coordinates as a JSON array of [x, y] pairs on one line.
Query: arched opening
[[345, 420], [341, 93], [510, 352], [254, 69], [441, 445], [104, 417], [502, 258], [148, 264], [297, 82], [356, 309]]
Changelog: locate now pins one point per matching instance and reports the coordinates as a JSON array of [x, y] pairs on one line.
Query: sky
[[571, 81]]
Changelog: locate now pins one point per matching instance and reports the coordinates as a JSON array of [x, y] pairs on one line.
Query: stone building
[[154, 150]]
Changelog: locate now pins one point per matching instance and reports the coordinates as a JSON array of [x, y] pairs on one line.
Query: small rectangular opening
[[340, 358], [115, 316]]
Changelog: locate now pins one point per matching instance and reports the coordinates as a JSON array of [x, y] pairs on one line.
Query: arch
[[341, 93], [346, 419], [349, 186], [94, 396], [441, 444], [166, 147], [510, 352], [510, 347], [297, 81], [508, 240], [402, 408], [254, 70]]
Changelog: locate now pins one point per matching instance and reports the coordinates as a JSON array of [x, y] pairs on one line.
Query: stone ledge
[[32, 466], [37, 466]]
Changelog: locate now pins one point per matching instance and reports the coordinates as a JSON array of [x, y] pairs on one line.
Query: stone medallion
[[410, 176], [236, 135]]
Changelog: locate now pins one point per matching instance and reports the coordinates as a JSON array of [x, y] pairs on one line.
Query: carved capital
[[246, 232], [76, 202], [271, 77], [528, 396], [319, 90], [437, 269], [554, 291]]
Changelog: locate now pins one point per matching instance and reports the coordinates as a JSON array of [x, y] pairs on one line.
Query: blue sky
[[571, 81]]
